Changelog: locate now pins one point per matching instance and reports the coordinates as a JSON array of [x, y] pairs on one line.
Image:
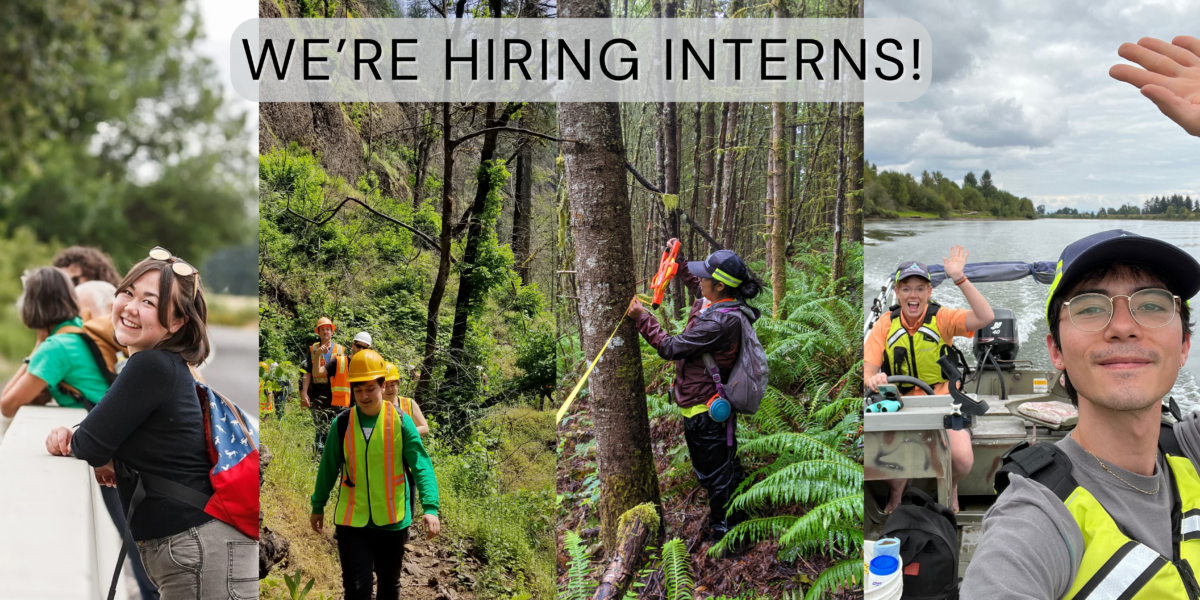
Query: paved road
[[234, 368]]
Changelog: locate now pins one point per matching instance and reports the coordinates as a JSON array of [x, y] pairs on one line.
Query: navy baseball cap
[[910, 269], [1180, 271], [723, 265]]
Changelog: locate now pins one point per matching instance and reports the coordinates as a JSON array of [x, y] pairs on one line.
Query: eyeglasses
[[178, 265], [1152, 308]]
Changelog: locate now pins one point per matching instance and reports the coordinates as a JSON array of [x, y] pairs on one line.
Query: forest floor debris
[[685, 507]]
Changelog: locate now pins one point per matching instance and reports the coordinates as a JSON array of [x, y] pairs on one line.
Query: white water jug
[[884, 583]]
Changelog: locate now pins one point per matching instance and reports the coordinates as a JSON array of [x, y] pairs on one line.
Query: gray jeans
[[207, 562]]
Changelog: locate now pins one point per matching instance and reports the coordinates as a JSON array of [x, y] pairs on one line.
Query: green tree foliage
[[114, 133], [368, 274], [890, 193]]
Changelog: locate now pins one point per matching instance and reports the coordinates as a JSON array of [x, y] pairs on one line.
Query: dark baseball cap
[[723, 265], [912, 268], [1179, 269]]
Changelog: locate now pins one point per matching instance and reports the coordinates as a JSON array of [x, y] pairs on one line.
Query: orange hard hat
[[323, 321]]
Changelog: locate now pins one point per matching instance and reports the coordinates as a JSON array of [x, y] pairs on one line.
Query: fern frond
[[844, 574], [579, 586], [677, 570], [814, 524]]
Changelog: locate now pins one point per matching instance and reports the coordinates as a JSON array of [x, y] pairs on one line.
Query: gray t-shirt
[[1032, 547]]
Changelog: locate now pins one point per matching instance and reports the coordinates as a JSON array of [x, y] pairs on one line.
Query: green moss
[[646, 512]]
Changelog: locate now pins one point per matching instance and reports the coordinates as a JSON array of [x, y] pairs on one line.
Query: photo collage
[[575, 300]]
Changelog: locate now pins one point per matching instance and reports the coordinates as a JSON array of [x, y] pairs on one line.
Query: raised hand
[[955, 264], [1170, 79]]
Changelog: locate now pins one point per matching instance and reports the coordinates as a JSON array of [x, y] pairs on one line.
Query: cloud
[[1003, 122], [1022, 89]]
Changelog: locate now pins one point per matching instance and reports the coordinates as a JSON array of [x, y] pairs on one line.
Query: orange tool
[[666, 270]]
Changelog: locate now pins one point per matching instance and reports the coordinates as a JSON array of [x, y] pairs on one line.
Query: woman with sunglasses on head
[[151, 422]]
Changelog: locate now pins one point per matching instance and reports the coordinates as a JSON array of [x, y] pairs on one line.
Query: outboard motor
[[997, 341]]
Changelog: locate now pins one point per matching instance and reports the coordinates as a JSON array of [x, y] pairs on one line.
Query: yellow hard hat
[[393, 374], [367, 365], [323, 321]]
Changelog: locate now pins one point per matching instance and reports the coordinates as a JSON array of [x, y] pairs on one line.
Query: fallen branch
[[636, 527]]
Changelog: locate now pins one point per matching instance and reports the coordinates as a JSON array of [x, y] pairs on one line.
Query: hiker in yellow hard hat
[[266, 405], [369, 448], [391, 393], [325, 388]]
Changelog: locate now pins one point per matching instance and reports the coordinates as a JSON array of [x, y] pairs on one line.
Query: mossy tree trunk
[[600, 223]]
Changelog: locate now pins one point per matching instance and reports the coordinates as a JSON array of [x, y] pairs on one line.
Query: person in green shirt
[[48, 305], [365, 456]]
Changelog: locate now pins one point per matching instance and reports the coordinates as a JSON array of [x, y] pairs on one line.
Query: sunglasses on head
[[178, 265]]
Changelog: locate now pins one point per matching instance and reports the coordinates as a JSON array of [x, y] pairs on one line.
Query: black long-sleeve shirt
[[150, 420]]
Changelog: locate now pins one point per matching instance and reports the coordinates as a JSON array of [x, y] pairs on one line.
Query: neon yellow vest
[[372, 489], [265, 405], [405, 405], [1121, 567], [915, 355]]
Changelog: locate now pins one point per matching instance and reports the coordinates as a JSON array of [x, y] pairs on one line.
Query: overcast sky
[[219, 18], [1022, 88]]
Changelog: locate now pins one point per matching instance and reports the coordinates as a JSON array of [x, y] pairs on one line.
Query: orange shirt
[[951, 323]]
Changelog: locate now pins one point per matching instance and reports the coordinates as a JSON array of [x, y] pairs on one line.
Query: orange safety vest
[[341, 378], [405, 405]]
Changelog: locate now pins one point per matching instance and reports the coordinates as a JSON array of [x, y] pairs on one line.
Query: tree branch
[[645, 183], [348, 199], [513, 129], [437, 8]]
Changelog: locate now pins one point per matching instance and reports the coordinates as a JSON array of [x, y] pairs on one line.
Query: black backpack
[[928, 534]]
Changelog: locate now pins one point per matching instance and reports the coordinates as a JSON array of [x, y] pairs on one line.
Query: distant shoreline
[[1040, 218]]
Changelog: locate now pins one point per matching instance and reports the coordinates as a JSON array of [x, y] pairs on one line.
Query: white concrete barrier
[[56, 538]]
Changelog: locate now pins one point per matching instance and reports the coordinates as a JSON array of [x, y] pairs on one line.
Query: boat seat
[[1053, 414]]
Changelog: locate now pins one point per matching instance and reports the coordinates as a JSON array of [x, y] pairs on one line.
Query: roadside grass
[[232, 311]]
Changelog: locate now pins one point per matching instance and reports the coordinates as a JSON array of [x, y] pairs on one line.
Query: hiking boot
[[719, 532]]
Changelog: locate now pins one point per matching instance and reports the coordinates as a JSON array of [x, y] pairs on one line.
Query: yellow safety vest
[[265, 404], [341, 378], [915, 355], [1113, 565], [1124, 568], [373, 487], [405, 405]]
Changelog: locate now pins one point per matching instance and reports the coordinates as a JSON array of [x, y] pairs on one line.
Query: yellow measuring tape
[[571, 398]]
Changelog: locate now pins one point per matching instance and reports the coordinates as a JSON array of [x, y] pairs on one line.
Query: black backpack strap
[[918, 497], [109, 376], [343, 423], [139, 494], [1044, 463], [76, 395], [97, 356], [931, 311], [1167, 442]]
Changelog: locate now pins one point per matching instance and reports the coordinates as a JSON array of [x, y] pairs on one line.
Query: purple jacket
[[715, 333]]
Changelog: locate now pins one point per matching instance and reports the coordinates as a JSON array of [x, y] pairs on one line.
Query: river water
[[888, 243]]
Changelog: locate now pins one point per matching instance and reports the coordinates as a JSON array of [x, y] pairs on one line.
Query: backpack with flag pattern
[[232, 443]]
